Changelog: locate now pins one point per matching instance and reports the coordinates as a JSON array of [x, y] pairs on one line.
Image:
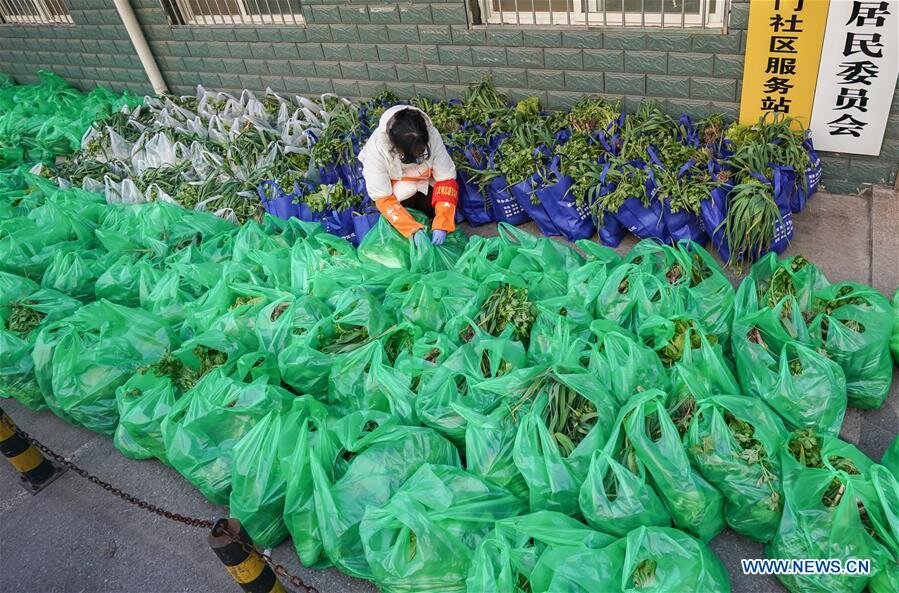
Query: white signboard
[[857, 76]]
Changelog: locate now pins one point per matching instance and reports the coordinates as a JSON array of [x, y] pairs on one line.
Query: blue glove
[[420, 238], [439, 237]]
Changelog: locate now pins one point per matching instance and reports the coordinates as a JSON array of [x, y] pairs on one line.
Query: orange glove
[[444, 199], [391, 209]]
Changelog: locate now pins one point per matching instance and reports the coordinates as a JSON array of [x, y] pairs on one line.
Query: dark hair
[[408, 132]]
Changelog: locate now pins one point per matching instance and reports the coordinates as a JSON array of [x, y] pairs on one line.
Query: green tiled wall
[[362, 47]]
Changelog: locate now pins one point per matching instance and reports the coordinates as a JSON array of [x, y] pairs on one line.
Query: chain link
[[278, 569]]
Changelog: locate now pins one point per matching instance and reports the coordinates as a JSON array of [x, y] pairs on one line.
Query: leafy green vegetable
[[22, 319], [752, 215], [568, 415], [505, 306]]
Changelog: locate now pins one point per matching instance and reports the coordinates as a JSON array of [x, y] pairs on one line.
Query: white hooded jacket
[[386, 175]]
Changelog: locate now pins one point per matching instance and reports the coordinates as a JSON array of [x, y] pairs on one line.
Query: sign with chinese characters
[[783, 49], [857, 77]]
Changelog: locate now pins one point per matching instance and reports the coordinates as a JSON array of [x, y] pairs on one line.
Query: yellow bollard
[[245, 566], [36, 470]]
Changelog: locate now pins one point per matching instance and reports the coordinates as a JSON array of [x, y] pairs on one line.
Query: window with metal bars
[[234, 12], [678, 14], [34, 12]]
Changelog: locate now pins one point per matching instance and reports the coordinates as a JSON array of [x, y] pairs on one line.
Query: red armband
[[445, 191]]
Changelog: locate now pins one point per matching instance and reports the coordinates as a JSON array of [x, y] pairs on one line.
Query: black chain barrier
[[278, 569]]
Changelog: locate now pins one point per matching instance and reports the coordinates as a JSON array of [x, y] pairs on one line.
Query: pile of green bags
[[42, 121], [508, 414]]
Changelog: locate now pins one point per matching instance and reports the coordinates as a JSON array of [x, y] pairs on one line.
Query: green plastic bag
[[456, 381], [24, 311], [658, 559], [261, 467], [312, 261], [734, 442], [76, 272], [541, 264], [586, 280], [507, 557], [887, 534], [333, 280], [615, 497], [794, 277], [386, 459], [489, 445], [123, 280], [827, 492], [695, 505], [316, 436], [431, 300], [192, 263], [625, 365], [366, 379], [169, 297], [203, 426], [79, 361], [19, 323], [227, 306], [560, 332], [423, 538], [693, 279], [852, 324], [631, 295], [357, 318], [157, 228], [551, 452], [287, 319], [426, 354], [804, 387], [143, 403], [686, 349], [28, 247], [14, 288], [386, 246]]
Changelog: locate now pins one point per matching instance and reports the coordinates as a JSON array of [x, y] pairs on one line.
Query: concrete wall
[[360, 48]]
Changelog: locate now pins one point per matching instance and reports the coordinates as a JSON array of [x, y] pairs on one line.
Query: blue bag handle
[[302, 187], [471, 160], [268, 183], [686, 167], [495, 142], [778, 181], [652, 176], [554, 166], [609, 143], [605, 171], [654, 157]]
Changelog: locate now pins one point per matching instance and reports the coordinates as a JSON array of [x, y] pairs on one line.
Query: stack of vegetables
[[504, 413], [593, 167]]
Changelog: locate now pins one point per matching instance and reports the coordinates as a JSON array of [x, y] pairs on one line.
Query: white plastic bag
[[124, 192]]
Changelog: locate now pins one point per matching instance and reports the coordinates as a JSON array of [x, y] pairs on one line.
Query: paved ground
[[73, 538]]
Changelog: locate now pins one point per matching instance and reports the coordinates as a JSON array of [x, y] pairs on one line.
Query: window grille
[[678, 14], [234, 12], [34, 12]]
